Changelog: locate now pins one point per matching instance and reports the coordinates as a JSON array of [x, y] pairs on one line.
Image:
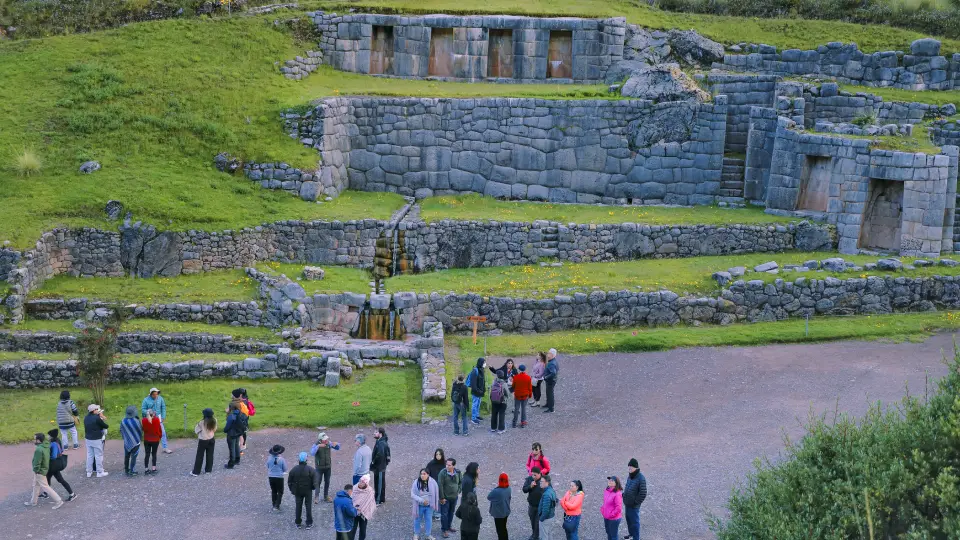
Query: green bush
[[893, 474]]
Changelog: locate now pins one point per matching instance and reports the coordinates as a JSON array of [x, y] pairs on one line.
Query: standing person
[[324, 462], [152, 435], [634, 494], [378, 464], [550, 374], [251, 410], [572, 504], [301, 481], [67, 418], [478, 388], [531, 486], [508, 369], [344, 513], [276, 466], [499, 498], [94, 430], [537, 459], [548, 507], [132, 432], [450, 481], [235, 426], [470, 517], [437, 464], [459, 396], [522, 390], [499, 391], [426, 500], [364, 499], [470, 478], [612, 508], [537, 377], [206, 430], [58, 462], [155, 401], [41, 465], [362, 458]]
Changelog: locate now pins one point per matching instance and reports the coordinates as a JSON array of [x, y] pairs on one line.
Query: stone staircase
[[731, 180], [956, 229], [549, 243]]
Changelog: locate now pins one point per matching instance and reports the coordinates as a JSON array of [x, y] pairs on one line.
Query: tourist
[[365, 501], [426, 500], [41, 465], [499, 391], [58, 462], [459, 396], [547, 509], [612, 508], [437, 464], [206, 430], [344, 513], [155, 401], [470, 517], [324, 462], [522, 389], [450, 481], [572, 504], [499, 498], [235, 426], [550, 378], [634, 494], [478, 388], [531, 486], [508, 369], [276, 467], [152, 434], [251, 410], [470, 478], [537, 377], [67, 418], [362, 458], [131, 430], [94, 431], [378, 464], [537, 459], [301, 481]]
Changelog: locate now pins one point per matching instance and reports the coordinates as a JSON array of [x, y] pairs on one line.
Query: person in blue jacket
[[344, 513], [155, 401]]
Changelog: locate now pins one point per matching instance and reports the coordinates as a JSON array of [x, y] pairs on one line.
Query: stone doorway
[[441, 53], [500, 54], [882, 215], [815, 183], [560, 55], [381, 50]]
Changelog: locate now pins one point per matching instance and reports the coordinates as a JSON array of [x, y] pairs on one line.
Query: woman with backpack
[[236, 425], [537, 375], [251, 410], [67, 418], [58, 462], [498, 402], [537, 459], [276, 466]]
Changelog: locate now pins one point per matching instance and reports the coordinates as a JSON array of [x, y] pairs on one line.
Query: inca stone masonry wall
[[235, 313], [134, 343]]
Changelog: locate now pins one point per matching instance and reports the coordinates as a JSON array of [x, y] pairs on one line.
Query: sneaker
[[523, 425], [76, 446], [228, 466], [72, 496], [627, 537], [500, 432], [446, 534], [193, 474], [299, 526], [493, 431], [535, 404], [58, 505], [133, 473], [451, 529], [329, 500], [44, 496], [89, 475], [28, 503], [102, 474], [309, 525], [167, 451]]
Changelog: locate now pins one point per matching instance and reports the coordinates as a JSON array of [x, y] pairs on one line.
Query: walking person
[[499, 391], [499, 498], [365, 501], [155, 401], [378, 464], [41, 465], [152, 435], [612, 508], [547, 509], [478, 388], [344, 513], [634, 493], [572, 504], [450, 481], [537, 459], [459, 396], [276, 467], [470, 474], [235, 426], [362, 458], [301, 481], [58, 462], [550, 374], [537, 376], [131, 430], [522, 390], [67, 418], [470, 517], [426, 500], [531, 486], [251, 410], [206, 430], [324, 462], [94, 431]]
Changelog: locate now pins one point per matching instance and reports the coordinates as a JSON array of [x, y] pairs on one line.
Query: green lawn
[[202, 288], [157, 358], [899, 94], [476, 207], [335, 279], [154, 325], [382, 394]]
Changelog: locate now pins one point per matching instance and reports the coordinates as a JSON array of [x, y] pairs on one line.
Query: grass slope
[[151, 325], [335, 279], [203, 288], [156, 358]]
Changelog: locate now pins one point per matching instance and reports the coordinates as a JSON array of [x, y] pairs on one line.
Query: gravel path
[[695, 419]]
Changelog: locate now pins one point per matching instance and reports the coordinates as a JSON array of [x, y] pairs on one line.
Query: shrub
[[97, 351], [27, 163]]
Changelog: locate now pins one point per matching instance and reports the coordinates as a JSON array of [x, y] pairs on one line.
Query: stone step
[[731, 200]]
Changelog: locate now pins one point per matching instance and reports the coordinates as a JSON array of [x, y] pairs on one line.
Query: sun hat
[[322, 436], [93, 407], [277, 449], [154, 389]]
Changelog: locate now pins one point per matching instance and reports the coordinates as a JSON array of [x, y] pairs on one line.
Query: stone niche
[[500, 54], [815, 183], [882, 215], [560, 55], [441, 53], [381, 50]]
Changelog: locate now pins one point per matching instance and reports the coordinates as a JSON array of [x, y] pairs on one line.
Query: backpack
[[498, 393], [250, 408], [243, 408], [239, 425], [469, 381], [456, 396]]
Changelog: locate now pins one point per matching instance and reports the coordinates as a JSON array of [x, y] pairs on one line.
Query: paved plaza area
[[694, 418]]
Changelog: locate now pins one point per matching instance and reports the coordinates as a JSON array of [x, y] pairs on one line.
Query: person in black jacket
[[459, 397], [531, 486], [95, 430], [301, 481], [634, 494], [478, 389], [470, 517], [378, 465]]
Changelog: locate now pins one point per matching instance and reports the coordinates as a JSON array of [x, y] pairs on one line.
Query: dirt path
[[695, 419]]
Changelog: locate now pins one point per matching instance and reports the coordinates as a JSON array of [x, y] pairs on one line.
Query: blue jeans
[[571, 526], [425, 516], [459, 410], [163, 436], [633, 521], [446, 514], [613, 527], [475, 411]]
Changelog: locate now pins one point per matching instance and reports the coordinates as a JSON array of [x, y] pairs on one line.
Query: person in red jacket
[[152, 433], [522, 390], [537, 459]]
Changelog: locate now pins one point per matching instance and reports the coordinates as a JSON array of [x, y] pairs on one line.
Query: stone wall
[[295, 181], [946, 132], [743, 92], [235, 313], [134, 343]]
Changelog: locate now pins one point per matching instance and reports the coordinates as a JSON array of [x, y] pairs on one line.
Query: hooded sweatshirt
[[66, 414], [276, 465], [130, 429], [478, 385], [41, 458], [343, 512], [470, 518], [381, 454]]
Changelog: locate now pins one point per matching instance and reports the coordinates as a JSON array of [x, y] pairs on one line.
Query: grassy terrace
[[151, 325], [158, 358], [336, 278], [897, 94], [203, 288]]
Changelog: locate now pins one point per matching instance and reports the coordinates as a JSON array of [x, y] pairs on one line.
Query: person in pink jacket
[[612, 508], [537, 459]]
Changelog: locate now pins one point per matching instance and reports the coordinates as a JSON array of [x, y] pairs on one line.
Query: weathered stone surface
[[889, 265], [90, 167], [666, 82], [313, 273], [695, 49]]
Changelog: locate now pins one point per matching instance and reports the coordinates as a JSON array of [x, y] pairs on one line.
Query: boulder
[[834, 264], [766, 267], [722, 278], [665, 82], [90, 167], [925, 47], [737, 271], [224, 162], [694, 49], [811, 238], [313, 273], [113, 209], [309, 191], [948, 262]]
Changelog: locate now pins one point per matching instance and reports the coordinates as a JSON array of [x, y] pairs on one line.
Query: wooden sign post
[[476, 319]]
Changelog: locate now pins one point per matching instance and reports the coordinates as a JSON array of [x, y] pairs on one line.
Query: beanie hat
[[65, 394], [523, 367], [131, 411], [208, 413], [633, 463], [303, 457], [236, 393], [504, 480]]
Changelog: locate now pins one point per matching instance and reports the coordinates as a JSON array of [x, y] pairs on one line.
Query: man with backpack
[[378, 465], [236, 425], [459, 396], [478, 388], [498, 403], [550, 377]]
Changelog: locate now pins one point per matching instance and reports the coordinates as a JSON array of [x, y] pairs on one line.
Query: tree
[[97, 350]]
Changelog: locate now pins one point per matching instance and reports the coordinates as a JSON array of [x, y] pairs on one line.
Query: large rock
[[695, 49], [623, 70], [90, 167], [889, 265], [668, 123], [665, 82], [812, 238], [925, 47], [144, 252]]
